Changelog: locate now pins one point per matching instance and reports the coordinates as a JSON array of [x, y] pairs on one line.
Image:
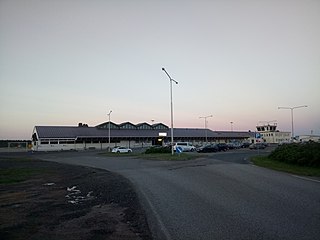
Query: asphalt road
[[221, 196]]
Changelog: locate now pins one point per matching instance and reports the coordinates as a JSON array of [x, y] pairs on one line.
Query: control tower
[[270, 134]]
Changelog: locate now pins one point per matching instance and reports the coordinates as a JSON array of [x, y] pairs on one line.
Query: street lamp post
[[171, 104], [205, 126], [231, 126], [292, 108], [109, 128]]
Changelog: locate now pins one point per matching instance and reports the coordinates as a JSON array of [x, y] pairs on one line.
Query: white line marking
[[161, 225], [305, 178]]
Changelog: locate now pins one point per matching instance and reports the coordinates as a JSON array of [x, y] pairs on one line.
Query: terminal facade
[[127, 134]]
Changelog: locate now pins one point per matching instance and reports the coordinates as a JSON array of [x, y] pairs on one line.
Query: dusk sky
[[68, 61]]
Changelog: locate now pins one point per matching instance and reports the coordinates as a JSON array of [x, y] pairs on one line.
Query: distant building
[[270, 134], [81, 137], [307, 138]]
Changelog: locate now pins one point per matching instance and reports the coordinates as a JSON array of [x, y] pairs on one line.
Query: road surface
[[221, 196]]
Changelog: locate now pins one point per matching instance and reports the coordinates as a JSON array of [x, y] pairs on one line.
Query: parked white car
[[121, 150], [185, 146]]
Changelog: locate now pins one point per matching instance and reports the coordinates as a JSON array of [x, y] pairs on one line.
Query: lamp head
[[163, 69], [174, 80]]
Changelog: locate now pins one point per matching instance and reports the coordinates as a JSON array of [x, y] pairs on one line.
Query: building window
[[160, 127], [144, 127], [128, 126]]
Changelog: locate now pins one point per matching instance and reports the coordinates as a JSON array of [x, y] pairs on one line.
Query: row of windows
[[267, 134], [47, 141], [131, 126], [276, 135], [54, 141], [266, 128]]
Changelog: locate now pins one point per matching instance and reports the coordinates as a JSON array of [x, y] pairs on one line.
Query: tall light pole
[[292, 108], [171, 80], [109, 128], [231, 126], [205, 126]]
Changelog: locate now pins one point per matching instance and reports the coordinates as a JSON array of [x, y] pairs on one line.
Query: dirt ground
[[58, 201]]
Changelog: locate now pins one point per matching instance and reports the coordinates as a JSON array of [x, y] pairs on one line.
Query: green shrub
[[303, 154], [158, 150]]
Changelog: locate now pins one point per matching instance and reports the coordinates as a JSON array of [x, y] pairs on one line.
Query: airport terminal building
[[127, 134]]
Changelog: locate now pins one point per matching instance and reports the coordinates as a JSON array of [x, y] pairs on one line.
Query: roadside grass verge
[[15, 175], [10, 174], [265, 161]]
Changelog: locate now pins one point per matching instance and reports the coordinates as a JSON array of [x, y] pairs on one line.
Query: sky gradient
[[64, 62]]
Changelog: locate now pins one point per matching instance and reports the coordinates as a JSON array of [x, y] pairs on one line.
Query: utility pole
[[171, 104], [109, 128], [292, 108], [205, 126]]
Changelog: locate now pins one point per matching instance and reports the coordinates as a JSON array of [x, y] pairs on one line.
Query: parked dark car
[[257, 146], [222, 146], [234, 145], [230, 146], [208, 148], [245, 145]]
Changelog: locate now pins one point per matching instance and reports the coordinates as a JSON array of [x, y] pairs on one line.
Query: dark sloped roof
[[188, 132], [228, 134], [106, 125], [63, 132], [126, 123], [200, 132], [93, 132]]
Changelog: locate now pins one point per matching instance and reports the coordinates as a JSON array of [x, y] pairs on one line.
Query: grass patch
[[264, 161], [15, 175], [15, 170]]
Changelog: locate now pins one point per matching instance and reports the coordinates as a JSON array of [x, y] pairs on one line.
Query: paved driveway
[[222, 196]]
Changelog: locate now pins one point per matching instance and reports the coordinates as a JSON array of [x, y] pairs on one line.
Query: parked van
[[185, 146]]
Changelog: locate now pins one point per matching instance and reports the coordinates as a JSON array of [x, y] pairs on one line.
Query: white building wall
[[307, 138], [57, 146], [276, 137]]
